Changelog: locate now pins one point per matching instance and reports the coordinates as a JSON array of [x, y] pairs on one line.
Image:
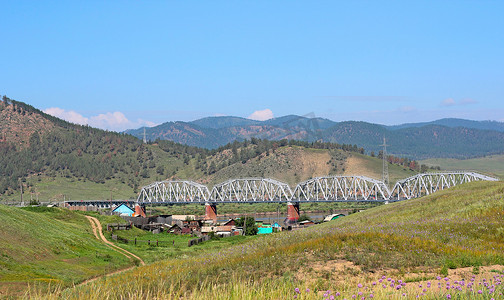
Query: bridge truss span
[[251, 190], [341, 188], [428, 183], [178, 191], [329, 188]]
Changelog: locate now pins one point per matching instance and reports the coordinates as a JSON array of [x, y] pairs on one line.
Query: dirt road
[[97, 230]]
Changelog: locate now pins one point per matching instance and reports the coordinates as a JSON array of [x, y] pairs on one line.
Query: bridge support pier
[[292, 212], [211, 211], [139, 211]]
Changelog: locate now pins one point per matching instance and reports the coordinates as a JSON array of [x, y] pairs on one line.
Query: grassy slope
[[414, 239], [358, 164], [490, 164], [288, 164], [295, 164], [50, 244]]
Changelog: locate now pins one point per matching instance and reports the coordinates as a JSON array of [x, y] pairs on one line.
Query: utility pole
[[144, 137], [21, 185], [385, 174], [245, 226]]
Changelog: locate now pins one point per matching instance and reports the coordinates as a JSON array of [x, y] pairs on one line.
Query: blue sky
[[124, 64]]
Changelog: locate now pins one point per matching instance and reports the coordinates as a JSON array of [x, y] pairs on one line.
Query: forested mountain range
[[451, 138], [54, 159]]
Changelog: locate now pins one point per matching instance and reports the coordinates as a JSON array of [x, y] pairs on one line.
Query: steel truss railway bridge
[[321, 189]]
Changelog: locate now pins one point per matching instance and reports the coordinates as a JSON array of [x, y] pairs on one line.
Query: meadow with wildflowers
[[449, 245]]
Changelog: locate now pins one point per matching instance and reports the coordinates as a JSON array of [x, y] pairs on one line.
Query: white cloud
[[115, 121], [109, 120], [141, 122], [448, 102], [261, 115], [70, 116]]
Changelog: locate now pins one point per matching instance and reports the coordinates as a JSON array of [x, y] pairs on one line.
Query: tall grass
[[414, 239]]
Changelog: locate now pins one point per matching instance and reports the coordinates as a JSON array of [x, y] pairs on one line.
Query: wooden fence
[[136, 241], [197, 241]]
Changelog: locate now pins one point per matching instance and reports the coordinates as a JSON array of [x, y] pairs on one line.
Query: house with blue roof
[[124, 210]]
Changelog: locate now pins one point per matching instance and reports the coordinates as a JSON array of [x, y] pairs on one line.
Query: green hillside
[[50, 246], [453, 236], [493, 164], [291, 164]]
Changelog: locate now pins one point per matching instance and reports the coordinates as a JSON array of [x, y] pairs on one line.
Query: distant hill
[[430, 141], [223, 122], [450, 138], [493, 164], [453, 123]]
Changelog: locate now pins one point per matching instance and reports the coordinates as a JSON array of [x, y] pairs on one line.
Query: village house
[[264, 228], [333, 217], [306, 223], [175, 229], [230, 222], [124, 210]]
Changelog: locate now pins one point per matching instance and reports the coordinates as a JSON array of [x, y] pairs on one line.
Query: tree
[[250, 227], [304, 217], [212, 168]]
